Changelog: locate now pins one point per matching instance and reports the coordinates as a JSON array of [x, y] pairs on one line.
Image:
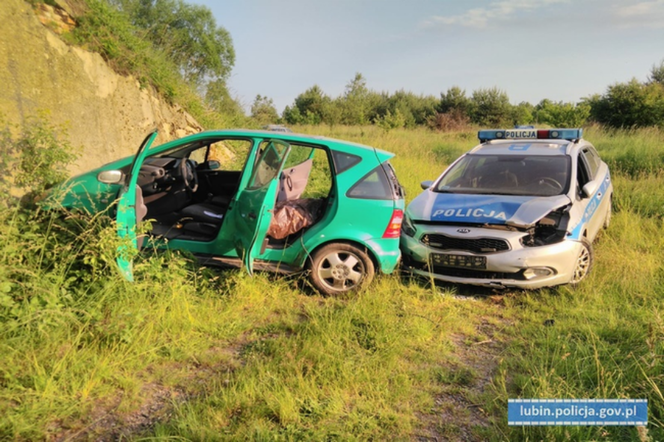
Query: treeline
[[632, 104], [179, 49]]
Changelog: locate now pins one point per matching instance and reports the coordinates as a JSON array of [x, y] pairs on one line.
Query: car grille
[[475, 245]]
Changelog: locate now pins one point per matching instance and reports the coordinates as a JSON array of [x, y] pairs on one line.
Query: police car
[[519, 210]]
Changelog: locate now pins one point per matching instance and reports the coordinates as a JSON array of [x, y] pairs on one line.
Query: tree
[[490, 107], [559, 114], [187, 33], [657, 73], [523, 113], [454, 99], [263, 110], [631, 104], [355, 102], [310, 107], [219, 99], [415, 109]]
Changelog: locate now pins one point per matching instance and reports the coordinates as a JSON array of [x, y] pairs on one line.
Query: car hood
[[517, 211]]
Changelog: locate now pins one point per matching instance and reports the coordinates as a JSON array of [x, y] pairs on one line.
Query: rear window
[[344, 161], [379, 184]]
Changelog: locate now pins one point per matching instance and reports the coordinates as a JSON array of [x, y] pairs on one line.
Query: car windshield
[[536, 175]]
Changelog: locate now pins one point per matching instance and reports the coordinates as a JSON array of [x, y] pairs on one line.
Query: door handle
[[252, 216]]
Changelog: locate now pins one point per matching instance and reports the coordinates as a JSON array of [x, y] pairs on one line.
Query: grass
[[220, 355]]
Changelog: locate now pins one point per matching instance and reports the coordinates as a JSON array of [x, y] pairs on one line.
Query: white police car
[[520, 210]]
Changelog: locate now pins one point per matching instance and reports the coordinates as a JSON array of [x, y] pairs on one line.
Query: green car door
[[126, 218], [252, 211]]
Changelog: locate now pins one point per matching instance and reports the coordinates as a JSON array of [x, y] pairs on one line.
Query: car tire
[[339, 268], [584, 262], [607, 217]]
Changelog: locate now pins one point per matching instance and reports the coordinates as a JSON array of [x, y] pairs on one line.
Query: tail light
[[394, 227]]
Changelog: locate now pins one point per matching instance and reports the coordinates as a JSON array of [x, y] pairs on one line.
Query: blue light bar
[[529, 134]]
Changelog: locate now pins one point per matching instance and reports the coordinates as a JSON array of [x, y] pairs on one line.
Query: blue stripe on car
[[591, 208]]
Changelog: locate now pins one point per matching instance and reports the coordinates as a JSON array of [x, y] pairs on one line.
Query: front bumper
[[523, 267]]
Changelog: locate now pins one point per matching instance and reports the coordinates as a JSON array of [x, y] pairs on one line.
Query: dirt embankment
[[107, 114]]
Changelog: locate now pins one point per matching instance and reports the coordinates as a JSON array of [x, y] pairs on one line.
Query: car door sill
[[222, 261]]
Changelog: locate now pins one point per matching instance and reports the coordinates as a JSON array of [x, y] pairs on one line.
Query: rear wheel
[[584, 262], [338, 268]]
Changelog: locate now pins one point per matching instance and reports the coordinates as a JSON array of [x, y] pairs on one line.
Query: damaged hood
[[512, 210]]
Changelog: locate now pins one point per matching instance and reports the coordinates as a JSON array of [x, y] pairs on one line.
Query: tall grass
[[85, 354]]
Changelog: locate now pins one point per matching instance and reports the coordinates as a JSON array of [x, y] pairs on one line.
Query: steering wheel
[[189, 175], [551, 183]]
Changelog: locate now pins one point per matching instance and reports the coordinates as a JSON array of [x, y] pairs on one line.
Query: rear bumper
[[386, 252]]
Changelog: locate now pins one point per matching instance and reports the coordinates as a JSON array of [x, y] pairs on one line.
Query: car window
[[319, 182], [231, 153], [582, 176], [199, 155], [592, 160], [268, 165], [374, 185], [536, 175], [344, 161]]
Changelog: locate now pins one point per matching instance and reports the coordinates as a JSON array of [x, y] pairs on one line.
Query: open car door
[[128, 214], [253, 208]]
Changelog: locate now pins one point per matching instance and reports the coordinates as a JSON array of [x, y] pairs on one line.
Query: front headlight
[[549, 230], [408, 227]]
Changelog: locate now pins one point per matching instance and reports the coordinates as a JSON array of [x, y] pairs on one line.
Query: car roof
[[524, 147], [341, 145]]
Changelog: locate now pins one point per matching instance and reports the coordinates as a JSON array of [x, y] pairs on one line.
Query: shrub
[[35, 156], [627, 105], [559, 114], [453, 121]]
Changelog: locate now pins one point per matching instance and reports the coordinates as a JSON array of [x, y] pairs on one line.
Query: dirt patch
[[107, 423], [458, 413]]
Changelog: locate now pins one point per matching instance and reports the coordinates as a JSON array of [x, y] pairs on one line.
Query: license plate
[[459, 261]]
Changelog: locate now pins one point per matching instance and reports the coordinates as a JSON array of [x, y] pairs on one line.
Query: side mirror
[[590, 188], [426, 184], [110, 177], [213, 165]]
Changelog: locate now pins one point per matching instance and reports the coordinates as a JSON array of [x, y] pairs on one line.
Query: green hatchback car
[[259, 199]]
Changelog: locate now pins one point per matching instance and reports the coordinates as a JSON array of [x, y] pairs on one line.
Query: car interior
[[509, 174], [186, 191]]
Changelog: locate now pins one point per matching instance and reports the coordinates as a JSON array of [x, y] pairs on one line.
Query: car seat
[[292, 183]]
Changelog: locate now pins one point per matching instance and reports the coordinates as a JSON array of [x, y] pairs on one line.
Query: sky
[[562, 50]]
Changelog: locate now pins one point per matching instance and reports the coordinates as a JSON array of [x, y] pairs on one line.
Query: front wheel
[[338, 268], [584, 262]]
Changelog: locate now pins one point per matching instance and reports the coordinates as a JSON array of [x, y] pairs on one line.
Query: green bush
[[34, 156], [559, 114], [629, 105]]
